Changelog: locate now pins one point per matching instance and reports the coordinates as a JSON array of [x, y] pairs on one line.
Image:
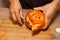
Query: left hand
[[48, 10]]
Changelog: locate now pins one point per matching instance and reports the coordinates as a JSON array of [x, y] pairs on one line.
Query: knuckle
[[14, 19], [18, 18], [11, 11]]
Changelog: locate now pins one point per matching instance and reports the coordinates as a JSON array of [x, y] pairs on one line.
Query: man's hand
[[16, 11], [49, 11]]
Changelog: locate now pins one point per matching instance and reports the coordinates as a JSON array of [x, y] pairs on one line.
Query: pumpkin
[[35, 19]]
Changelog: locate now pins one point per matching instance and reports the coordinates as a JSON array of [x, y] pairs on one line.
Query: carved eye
[[33, 14], [39, 17]]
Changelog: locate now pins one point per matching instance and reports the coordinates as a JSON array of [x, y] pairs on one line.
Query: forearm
[[11, 1], [53, 7]]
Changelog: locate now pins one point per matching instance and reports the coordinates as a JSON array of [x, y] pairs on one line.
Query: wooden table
[[55, 23]]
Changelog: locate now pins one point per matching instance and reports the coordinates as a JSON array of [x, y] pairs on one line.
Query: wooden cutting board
[[15, 32]]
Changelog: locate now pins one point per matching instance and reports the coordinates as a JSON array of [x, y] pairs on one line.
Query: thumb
[[38, 8]]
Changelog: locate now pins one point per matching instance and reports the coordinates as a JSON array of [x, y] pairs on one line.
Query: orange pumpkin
[[35, 19]]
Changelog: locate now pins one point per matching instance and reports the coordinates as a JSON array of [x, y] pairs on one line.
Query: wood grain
[[16, 32]]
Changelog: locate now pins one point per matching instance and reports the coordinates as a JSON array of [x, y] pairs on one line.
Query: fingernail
[[20, 24], [35, 8]]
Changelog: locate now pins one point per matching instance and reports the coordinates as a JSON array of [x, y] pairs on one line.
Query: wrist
[[11, 1]]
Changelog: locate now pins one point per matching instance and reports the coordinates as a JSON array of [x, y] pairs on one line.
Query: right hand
[[16, 11], [49, 11]]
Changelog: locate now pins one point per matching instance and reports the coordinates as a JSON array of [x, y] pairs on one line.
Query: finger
[[18, 17], [12, 15], [46, 26], [41, 9], [21, 14], [47, 21], [38, 8]]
